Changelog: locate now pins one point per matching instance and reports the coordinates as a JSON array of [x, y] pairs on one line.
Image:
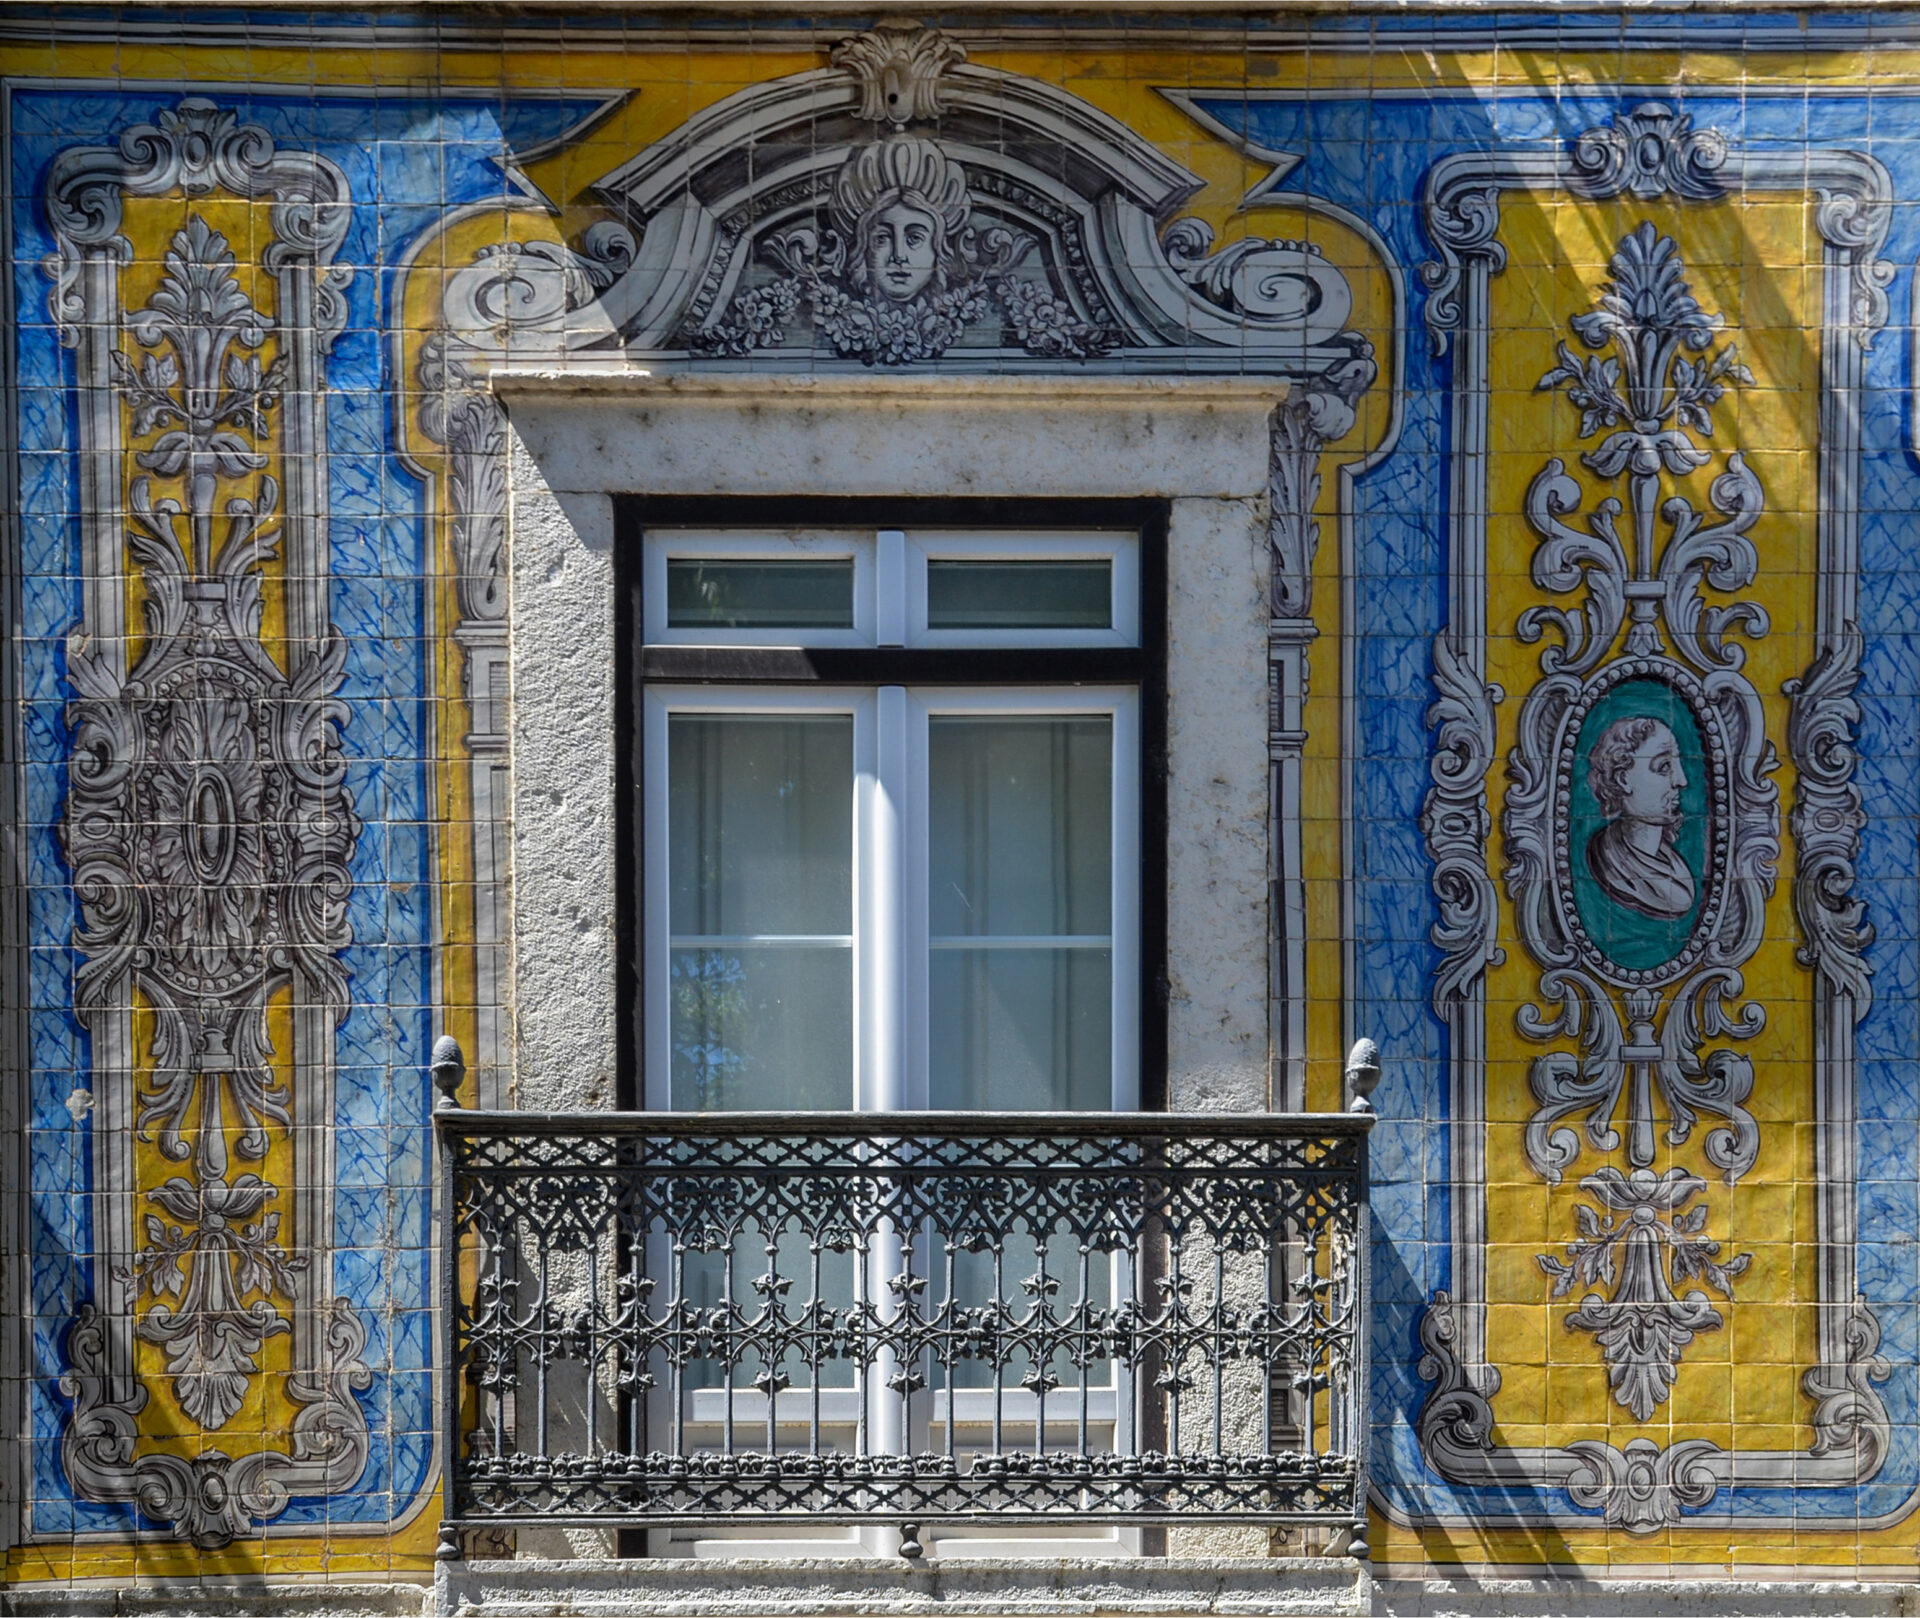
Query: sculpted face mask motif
[[901, 251]]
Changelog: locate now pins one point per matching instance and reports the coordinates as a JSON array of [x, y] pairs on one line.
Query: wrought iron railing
[[661, 1320]]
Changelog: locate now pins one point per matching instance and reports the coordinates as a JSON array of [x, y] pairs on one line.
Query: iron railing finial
[[1363, 1075], [448, 1068]]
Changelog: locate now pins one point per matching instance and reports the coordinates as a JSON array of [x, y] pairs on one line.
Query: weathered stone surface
[[879, 1588], [577, 440], [1217, 566]]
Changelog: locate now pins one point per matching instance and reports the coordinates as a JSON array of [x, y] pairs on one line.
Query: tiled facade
[[1597, 457]]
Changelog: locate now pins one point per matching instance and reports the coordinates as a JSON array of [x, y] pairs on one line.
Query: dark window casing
[[636, 663]]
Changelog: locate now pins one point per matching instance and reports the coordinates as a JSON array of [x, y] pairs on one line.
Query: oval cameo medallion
[[1639, 821]]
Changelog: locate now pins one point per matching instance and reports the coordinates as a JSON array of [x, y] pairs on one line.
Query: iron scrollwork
[[819, 1319]]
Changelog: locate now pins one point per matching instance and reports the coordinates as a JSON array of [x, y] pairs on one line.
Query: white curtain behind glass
[[760, 838], [1020, 845]]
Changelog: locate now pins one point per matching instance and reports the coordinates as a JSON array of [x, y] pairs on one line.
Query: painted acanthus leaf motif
[[1456, 823], [1651, 396], [1643, 1324], [1648, 315], [899, 68], [202, 390], [1301, 428], [176, 1032], [458, 412], [1641, 1487], [196, 148], [1645, 617], [1647, 152], [1619, 1043], [1828, 818], [1457, 1417], [223, 1250], [1849, 1416], [208, 825]]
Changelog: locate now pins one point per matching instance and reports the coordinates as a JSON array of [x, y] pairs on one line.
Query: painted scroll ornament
[[907, 207], [210, 831], [1641, 828], [1640, 931]]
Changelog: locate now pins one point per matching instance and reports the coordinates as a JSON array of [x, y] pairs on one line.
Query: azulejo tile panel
[[228, 807], [1594, 682]]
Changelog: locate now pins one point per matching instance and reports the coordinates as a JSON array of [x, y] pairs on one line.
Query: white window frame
[[1121, 704], [870, 949], [890, 582], [891, 936], [756, 545], [1120, 548]]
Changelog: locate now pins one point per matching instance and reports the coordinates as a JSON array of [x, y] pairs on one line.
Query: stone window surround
[[578, 437]]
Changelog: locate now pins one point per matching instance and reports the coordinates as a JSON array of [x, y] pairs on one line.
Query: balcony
[[667, 1323]]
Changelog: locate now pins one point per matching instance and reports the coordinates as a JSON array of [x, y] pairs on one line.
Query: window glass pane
[[760, 875], [1020, 595], [717, 593], [1020, 857]]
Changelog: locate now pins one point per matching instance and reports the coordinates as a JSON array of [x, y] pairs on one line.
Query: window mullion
[[881, 863], [890, 588], [915, 964], [657, 1009], [1125, 922]]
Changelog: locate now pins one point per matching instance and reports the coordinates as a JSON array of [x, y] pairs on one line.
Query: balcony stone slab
[[885, 1588]]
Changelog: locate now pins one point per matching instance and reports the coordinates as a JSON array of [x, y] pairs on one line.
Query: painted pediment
[[907, 208]]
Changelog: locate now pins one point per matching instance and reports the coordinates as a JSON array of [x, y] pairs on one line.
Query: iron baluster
[[1002, 1252]]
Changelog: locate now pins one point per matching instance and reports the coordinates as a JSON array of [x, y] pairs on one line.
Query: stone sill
[[603, 380], [876, 1588], [883, 1588], [1688, 1594], [289, 1596]]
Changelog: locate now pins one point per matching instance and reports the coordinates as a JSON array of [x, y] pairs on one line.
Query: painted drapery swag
[[208, 825], [1642, 828]]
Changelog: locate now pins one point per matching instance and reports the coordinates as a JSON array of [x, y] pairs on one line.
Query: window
[[893, 816]]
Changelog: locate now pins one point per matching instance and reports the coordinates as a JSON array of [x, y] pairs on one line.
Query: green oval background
[[1629, 939]]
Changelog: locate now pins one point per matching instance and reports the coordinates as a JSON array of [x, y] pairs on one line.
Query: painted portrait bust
[[1636, 774]]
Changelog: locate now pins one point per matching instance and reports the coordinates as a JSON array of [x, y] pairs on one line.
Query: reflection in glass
[[1020, 595], [712, 593], [1020, 846], [760, 909]]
